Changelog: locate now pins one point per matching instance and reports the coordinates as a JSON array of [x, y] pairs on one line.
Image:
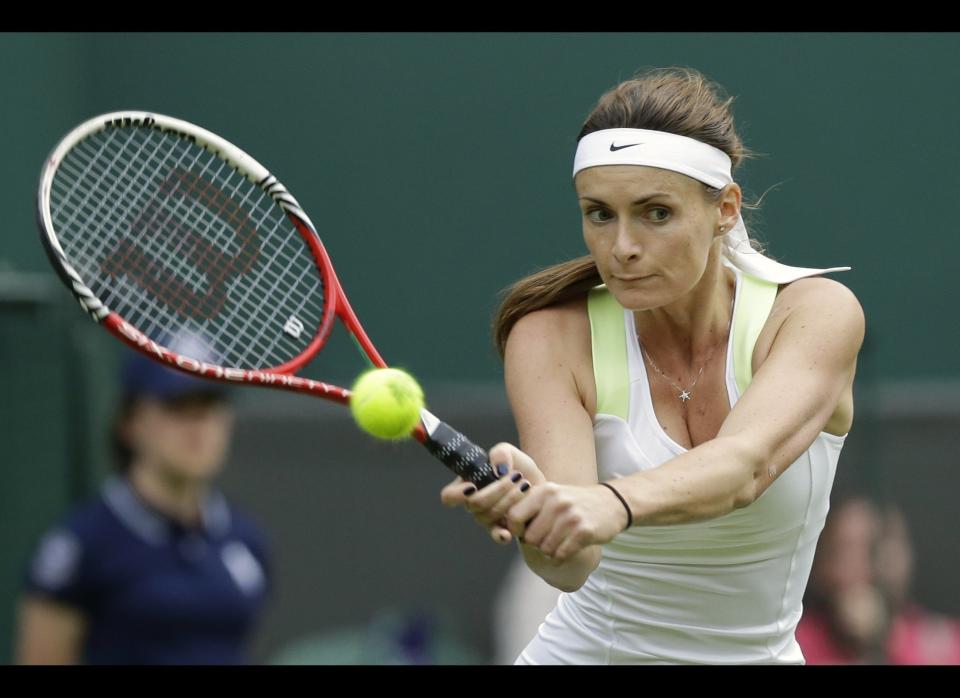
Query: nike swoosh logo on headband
[[615, 148]]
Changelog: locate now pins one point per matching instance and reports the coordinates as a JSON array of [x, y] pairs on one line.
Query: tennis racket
[[162, 229]]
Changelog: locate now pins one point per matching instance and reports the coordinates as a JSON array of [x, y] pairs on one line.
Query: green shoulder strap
[[753, 309], [609, 340]]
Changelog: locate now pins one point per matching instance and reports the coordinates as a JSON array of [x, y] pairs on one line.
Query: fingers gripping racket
[[162, 229]]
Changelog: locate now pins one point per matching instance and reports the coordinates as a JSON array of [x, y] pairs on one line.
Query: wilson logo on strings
[[157, 228]]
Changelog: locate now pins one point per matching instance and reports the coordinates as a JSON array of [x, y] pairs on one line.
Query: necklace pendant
[[684, 395]]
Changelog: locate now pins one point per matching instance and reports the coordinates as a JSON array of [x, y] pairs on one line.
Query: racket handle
[[458, 453]]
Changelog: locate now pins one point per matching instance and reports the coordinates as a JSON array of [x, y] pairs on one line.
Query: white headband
[[668, 151]]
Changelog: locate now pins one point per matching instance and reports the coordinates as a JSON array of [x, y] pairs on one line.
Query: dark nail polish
[[524, 487], [502, 469], [516, 477], [469, 490]]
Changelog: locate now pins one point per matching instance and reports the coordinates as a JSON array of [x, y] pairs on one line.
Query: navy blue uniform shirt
[[152, 591]]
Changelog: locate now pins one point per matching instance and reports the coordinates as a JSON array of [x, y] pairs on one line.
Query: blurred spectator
[[858, 608], [159, 568]]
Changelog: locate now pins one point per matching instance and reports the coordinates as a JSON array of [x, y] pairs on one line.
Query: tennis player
[[159, 568], [681, 401]]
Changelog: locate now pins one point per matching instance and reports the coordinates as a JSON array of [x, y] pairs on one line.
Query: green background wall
[[439, 164]]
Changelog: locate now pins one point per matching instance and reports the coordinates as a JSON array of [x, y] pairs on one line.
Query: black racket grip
[[461, 455]]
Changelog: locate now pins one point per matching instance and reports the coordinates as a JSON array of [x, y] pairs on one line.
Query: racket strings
[[151, 326], [174, 240], [194, 274], [218, 266], [139, 178], [191, 275]]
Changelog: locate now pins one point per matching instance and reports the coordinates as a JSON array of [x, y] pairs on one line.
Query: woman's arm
[[792, 396], [547, 356], [546, 362], [49, 632], [788, 403]]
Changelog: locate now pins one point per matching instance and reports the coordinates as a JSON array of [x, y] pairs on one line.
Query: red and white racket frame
[[447, 444]]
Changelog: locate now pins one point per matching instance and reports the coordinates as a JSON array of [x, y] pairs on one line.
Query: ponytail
[[556, 284]]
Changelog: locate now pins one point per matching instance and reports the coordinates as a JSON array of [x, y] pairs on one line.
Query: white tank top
[[723, 591]]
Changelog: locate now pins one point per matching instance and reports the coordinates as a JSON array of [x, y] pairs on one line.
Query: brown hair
[[676, 100]]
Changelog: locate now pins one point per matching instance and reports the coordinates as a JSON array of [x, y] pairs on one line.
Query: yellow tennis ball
[[386, 403]]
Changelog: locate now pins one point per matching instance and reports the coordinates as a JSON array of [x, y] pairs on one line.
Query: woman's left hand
[[561, 520]]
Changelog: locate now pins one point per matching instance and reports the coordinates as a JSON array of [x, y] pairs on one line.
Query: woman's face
[[187, 438], [650, 230]]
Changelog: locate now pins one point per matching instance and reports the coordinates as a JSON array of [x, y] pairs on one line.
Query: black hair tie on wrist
[[622, 501]]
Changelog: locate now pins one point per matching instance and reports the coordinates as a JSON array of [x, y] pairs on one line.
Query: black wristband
[[622, 501]]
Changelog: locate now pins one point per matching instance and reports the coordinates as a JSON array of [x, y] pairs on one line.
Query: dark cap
[[145, 377]]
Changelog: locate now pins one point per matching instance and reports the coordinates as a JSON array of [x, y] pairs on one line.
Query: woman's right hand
[[516, 473]]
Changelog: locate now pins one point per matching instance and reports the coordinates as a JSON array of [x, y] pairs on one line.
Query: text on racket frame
[[240, 375]]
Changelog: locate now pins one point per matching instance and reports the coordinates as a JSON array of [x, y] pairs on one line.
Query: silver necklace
[[684, 395]]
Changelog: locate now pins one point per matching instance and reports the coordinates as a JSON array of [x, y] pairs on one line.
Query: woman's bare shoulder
[[814, 291], [555, 340], [556, 328]]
